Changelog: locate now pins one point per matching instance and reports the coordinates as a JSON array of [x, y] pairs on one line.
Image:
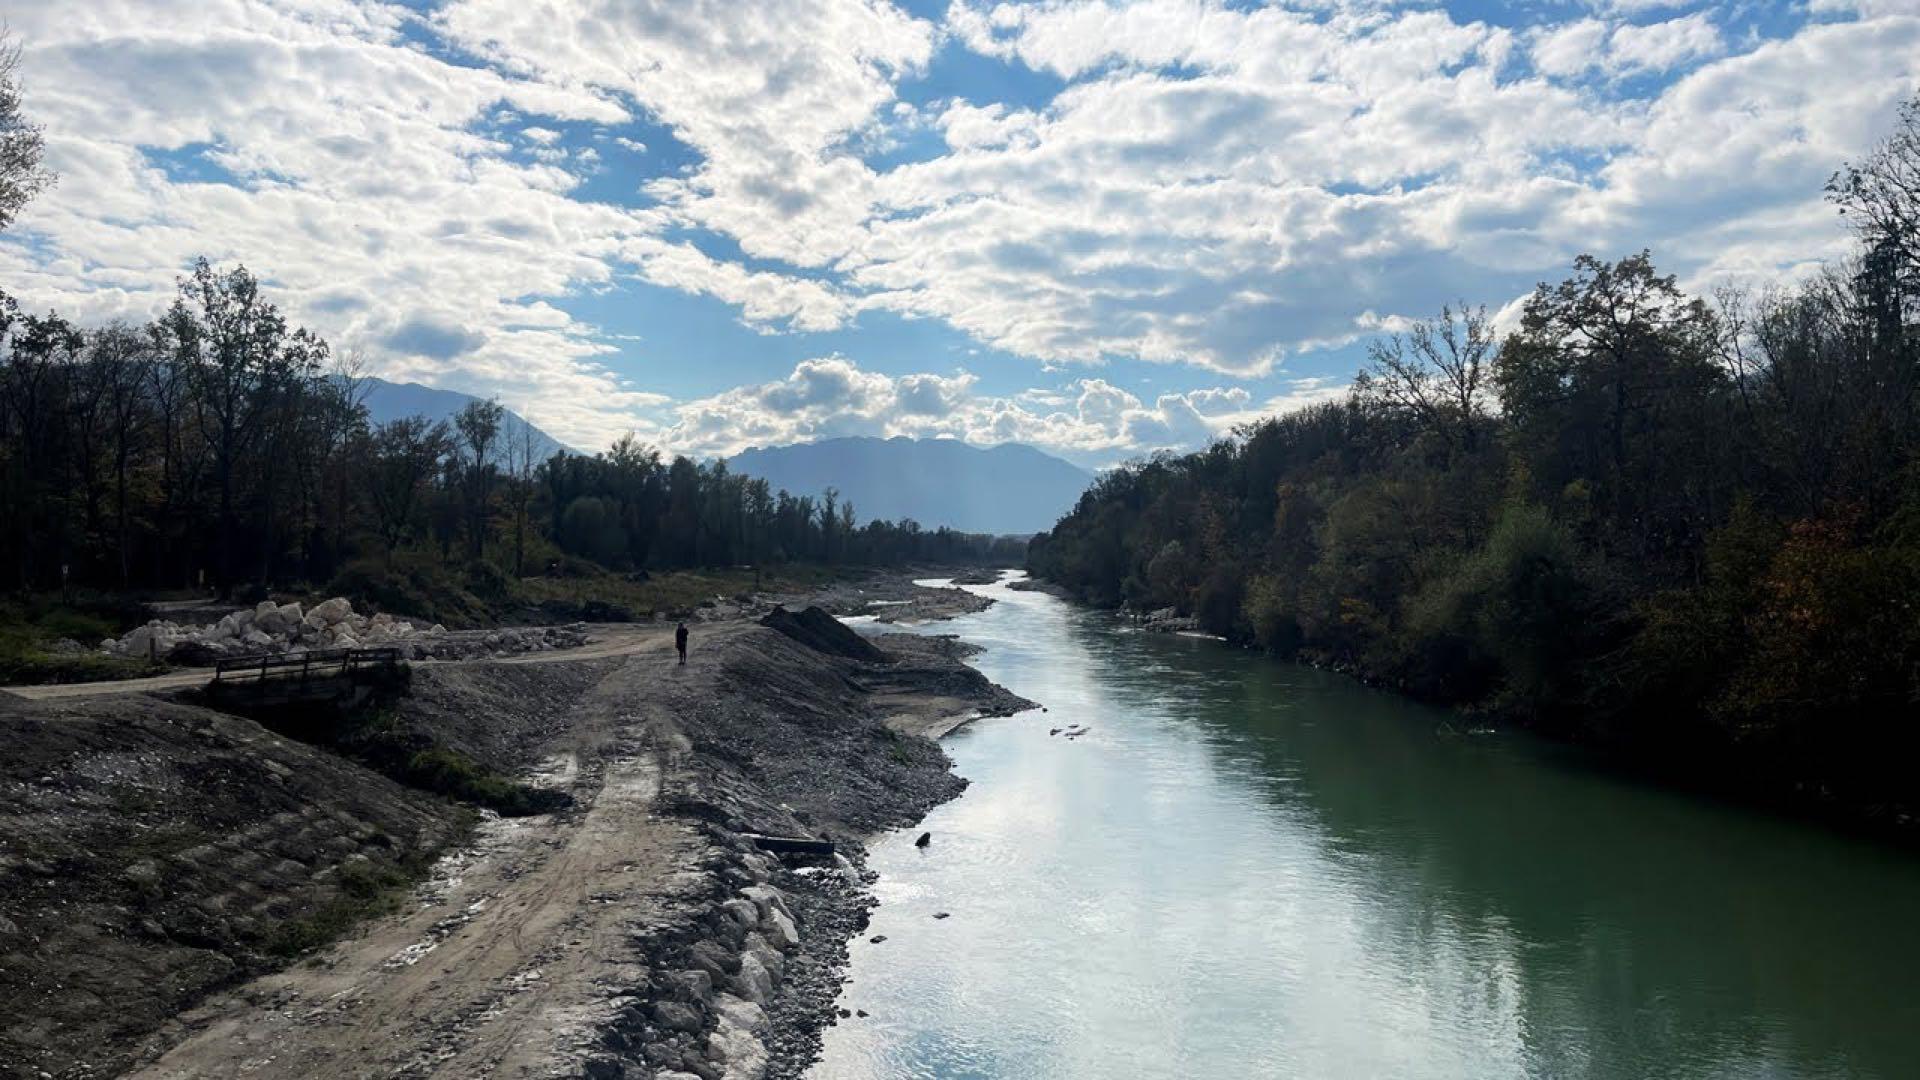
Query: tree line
[[220, 446], [1685, 527]]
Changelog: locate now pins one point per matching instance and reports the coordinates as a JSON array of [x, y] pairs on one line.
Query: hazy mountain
[[1010, 488], [392, 401]]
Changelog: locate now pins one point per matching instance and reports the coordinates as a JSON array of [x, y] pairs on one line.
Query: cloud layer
[[1088, 419], [1226, 188]]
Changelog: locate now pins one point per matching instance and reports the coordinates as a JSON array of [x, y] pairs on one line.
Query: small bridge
[[343, 677]]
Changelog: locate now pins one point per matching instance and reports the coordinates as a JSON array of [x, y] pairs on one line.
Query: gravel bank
[[639, 932]]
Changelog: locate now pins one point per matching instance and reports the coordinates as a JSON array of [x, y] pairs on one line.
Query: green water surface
[[1249, 869]]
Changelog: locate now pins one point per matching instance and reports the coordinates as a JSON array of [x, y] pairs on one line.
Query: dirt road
[[609, 639], [518, 953], [159, 847]]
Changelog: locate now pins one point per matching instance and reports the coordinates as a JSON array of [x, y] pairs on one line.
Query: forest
[[221, 448], [1685, 528]]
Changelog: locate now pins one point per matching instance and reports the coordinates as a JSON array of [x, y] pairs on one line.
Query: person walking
[[680, 641]]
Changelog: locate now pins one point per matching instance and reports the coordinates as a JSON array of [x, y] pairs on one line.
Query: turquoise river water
[[1249, 869]]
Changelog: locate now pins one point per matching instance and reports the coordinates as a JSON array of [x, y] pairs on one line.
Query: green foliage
[[1271, 614], [361, 889], [217, 447], [1690, 532], [590, 527], [29, 632], [416, 585], [1512, 615], [451, 773]]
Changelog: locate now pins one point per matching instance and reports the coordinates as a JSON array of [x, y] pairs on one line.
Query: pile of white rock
[[330, 624]]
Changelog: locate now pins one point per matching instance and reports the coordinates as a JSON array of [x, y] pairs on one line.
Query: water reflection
[[1255, 870]]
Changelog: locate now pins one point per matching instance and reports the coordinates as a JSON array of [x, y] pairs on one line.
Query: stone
[[138, 642], [674, 1074], [273, 622], [696, 984], [711, 958], [256, 639], [263, 607], [743, 912], [740, 1013], [755, 982], [292, 612], [767, 899], [781, 931], [743, 1055], [674, 1016], [769, 957]]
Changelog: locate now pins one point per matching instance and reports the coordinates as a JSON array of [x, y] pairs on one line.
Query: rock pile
[[330, 624], [709, 1018]]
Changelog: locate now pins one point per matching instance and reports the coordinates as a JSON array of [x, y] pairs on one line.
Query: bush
[[25, 661], [1514, 614], [452, 773], [590, 526], [1269, 612], [411, 586]]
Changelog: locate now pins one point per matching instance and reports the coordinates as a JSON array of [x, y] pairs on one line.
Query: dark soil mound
[[821, 632]]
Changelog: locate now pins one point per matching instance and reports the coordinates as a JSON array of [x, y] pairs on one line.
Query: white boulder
[[335, 610]]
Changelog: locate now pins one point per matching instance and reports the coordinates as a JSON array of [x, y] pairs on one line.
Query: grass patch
[[363, 889], [481, 594], [454, 774], [30, 628], [26, 661], [671, 594]]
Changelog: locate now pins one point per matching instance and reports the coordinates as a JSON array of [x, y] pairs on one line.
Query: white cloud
[[1087, 420], [1219, 185]]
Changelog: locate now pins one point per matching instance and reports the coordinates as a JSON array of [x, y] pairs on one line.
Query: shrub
[[1514, 614], [411, 586]]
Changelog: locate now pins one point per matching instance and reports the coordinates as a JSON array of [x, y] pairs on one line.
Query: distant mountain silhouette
[[1008, 489], [393, 401]]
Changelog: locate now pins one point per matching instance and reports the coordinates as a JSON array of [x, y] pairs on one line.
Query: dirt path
[[610, 639], [521, 950]]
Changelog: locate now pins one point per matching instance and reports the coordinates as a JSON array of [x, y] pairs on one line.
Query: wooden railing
[[304, 667]]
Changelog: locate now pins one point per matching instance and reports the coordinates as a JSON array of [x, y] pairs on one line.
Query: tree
[[405, 454], [478, 425], [241, 357], [1438, 374], [1605, 388], [523, 447], [22, 146], [1881, 197], [121, 357]]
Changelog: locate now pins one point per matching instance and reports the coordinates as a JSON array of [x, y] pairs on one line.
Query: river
[[1251, 869]]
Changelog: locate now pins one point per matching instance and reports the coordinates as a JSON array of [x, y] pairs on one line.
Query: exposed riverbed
[[1253, 869]]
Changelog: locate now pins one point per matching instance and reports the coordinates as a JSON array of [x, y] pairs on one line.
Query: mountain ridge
[[1007, 489]]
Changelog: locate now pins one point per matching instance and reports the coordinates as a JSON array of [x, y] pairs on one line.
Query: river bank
[[1689, 762], [170, 850], [1254, 868]]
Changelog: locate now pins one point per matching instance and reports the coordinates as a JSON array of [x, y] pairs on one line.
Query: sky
[[1100, 227]]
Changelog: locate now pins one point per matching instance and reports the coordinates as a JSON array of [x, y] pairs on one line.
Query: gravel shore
[[638, 932]]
